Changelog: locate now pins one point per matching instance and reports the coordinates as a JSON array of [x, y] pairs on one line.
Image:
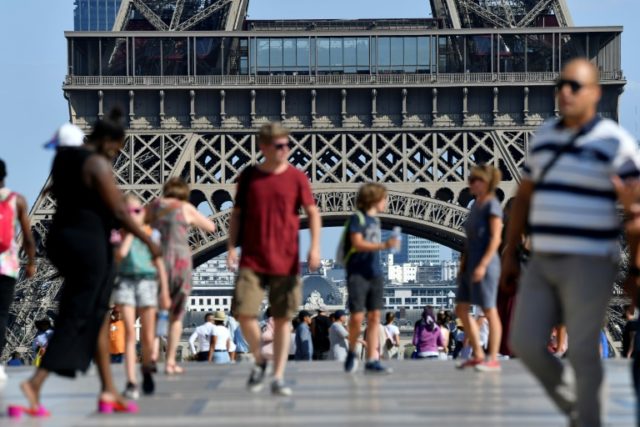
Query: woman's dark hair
[[444, 317], [109, 128], [429, 318], [390, 317]]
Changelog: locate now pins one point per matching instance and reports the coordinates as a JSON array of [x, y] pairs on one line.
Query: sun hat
[[67, 135], [220, 316]]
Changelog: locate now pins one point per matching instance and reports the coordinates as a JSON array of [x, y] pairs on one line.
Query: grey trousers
[[573, 290]]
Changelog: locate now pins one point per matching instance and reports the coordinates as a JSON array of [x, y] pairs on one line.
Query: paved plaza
[[419, 393]]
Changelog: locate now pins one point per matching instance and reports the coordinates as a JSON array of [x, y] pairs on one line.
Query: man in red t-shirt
[[268, 201]]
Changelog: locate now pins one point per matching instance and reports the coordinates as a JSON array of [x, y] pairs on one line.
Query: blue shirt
[[366, 264], [304, 342]]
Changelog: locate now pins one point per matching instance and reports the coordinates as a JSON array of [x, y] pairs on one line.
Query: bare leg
[[471, 332], [129, 317], [373, 324], [495, 332], [175, 329], [251, 332], [281, 340], [355, 324], [148, 338], [103, 362], [31, 388]]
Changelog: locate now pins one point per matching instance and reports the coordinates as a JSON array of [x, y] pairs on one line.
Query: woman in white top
[[392, 339], [220, 340]]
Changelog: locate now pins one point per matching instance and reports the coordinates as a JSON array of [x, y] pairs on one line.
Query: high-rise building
[[422, 251], [95, 15]]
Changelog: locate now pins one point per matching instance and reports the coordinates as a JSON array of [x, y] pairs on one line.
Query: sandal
[[106, 407], [173, 370], [16, 411]]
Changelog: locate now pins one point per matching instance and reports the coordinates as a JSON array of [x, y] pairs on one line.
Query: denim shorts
[[136, 292]]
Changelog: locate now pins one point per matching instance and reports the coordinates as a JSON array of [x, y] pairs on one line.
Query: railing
[[333, 79]]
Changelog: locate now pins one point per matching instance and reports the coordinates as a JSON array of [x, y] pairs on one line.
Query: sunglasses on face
[[574, 85], [135, 210]]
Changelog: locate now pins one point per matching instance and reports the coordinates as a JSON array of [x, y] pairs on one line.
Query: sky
[[33, 62]]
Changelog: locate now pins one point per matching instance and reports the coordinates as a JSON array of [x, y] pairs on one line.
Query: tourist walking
[[392, 337], [365, 280], [338, 337], [220, 340], [141, 279], [117, 340], [14, 212], [202, 334], [88, 205], [303, 339], [172, 215], [480, 268], [567, 201], [427, 337], [444, 320], [266, 219], [320, 331]]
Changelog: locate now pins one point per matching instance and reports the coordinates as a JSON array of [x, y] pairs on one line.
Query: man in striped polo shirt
[[567, 203]]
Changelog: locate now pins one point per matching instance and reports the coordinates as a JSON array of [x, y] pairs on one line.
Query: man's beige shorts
[[285, 294]]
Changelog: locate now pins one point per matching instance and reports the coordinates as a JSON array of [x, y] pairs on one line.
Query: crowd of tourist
[[559, 254]]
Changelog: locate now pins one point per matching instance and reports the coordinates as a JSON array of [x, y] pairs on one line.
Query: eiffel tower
[[413, 103]]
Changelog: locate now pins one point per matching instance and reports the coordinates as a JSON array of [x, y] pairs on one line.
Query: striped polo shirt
[[573, 210]]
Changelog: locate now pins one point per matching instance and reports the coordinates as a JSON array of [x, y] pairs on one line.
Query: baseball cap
[[67, 135], [339, 313]]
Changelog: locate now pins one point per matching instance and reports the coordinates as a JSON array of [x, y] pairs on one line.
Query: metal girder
[[485, 14], [508, 13], [177, 14], [150, 15], [563, 14], [540, 7], [204, 14], [123, 15], [237, 14]]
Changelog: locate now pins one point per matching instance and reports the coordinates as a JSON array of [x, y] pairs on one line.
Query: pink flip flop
[[16, 411], [105, 407]]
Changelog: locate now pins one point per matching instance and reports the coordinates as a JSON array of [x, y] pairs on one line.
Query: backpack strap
[[362, 221]]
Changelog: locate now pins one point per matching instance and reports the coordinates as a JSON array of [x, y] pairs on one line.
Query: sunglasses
[[281, 146], [136, 210], [474, 179], [574, 85]]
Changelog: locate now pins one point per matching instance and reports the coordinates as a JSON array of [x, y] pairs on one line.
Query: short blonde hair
[[489, 174], [370, 194], [272, 131], [176, 188]]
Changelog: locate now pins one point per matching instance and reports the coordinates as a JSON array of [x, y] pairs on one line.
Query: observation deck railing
[[327, 80]]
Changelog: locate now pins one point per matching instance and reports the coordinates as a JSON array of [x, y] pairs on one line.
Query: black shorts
[[365, 294]]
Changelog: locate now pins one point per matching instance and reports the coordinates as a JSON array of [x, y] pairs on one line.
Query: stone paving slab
[[419, 393]]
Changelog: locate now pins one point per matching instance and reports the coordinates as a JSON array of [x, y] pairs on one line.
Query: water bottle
[[162, 325], [397, 234]]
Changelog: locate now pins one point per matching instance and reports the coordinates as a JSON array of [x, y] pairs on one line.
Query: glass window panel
[[207, 55], [263, 55], [424, 51], [147, 56], [540, 52], [114, 56], [289, 47], [86, 57], [324, 63], [449, 61], [478, 54], [410, 51], [350, 52], [363, 54], [384, 52], [511, 54], [336, 53], [174, 57], [275, 54], [252, 55], [302, 60], [573, 46], [397, 53]]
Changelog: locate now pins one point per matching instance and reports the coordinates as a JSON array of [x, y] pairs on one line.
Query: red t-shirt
[[271, 209]]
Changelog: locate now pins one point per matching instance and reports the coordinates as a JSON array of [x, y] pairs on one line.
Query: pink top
[[9, 262]]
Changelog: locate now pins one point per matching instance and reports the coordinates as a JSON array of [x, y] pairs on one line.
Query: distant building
[[431, 272], [401, 273], [414, 297], [422, 251], [95, 15], [402, 255], [449, 270]]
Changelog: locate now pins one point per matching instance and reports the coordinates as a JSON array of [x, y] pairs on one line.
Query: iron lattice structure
[[411, 103]]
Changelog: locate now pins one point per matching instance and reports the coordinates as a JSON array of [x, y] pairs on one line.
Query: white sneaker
[[3, 374]]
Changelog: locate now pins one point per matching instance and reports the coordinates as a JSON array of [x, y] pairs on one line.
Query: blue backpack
[[345, 250]]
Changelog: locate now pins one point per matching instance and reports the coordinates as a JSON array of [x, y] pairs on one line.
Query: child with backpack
[[362, 244], [136, 294]]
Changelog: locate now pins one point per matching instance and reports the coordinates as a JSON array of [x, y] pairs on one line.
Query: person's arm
[[359, 243], [632, 344], [307, 353], [267, 334], [439, 340], [196, 219], [192, 342], [495, 228], [415, 339], [212, 346], [28, 243], [163, 280], [234, 227], [315, 226], [123, 249], [517, 227], [99, 174]]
